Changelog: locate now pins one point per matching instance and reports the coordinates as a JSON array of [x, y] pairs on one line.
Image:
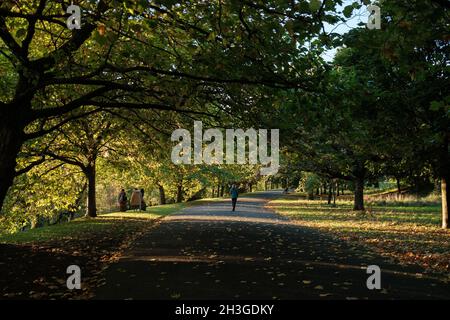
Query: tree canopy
[[107, 96]]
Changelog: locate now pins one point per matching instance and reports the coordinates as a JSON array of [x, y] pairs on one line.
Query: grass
[[79, 228], [405, 200], [84, 226], [36, 260], [406, 232]]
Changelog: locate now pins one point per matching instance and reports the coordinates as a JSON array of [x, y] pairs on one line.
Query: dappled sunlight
[[426, 219], [128, 215], [257, 261], [149, 130], [226, 218], [406, 233], [196, 259], [80, 228], [314, 210]]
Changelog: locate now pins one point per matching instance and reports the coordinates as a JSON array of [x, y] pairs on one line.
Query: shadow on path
[[210, 252]]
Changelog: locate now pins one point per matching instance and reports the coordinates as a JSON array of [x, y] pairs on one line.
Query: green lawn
[[119, 221], [82, 227], [89, 242], [404, 232]]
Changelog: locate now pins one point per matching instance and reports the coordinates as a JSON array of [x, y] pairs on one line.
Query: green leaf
[[314, 5], [348, 10], [435, 105], [21, 33]]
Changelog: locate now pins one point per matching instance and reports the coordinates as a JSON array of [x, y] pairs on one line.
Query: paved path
[[209, 252]]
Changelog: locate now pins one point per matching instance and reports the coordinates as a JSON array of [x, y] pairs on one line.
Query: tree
[[80, 143], [408, 62], [46, 194], [128, 52], [385, 102]]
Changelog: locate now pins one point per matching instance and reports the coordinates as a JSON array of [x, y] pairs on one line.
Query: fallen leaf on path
[[325, 295], [318, 287]]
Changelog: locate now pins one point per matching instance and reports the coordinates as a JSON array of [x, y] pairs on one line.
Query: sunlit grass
[[299, 208], [83, 227], [73, 229], [407, 232]]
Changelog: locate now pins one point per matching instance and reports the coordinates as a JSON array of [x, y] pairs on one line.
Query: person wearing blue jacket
[[234, 195]]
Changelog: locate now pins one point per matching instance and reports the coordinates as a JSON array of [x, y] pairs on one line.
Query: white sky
[[358, 16]]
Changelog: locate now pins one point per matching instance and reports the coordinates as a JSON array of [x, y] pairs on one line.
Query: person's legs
[[233, 202]]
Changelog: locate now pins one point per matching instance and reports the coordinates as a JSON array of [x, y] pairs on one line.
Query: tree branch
[[66, 160], [30, 166], [267, 82], [8, 39], [32, 27], [42, 132], [71, 106]]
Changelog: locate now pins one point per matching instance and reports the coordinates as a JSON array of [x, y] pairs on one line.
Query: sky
[[358, 16]]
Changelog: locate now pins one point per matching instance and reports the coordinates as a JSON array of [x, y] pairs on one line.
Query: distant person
[[136, 199], [143, 204], [122, 200], [234, 195]]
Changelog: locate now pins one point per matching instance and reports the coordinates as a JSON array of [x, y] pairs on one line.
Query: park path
[[210, 252]]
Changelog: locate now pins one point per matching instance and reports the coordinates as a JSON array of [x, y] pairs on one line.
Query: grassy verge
[[86, 226], [34, 263], [404, 233]]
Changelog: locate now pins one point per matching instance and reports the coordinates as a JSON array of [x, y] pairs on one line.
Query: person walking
[[136, 199], [234, 195], [143, 204], [123, 200]]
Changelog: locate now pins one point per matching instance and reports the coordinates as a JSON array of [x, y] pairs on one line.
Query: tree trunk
[[359, 194], [162, 195], [445, 179], [10, 144], [399, 190], [91, 200], [222, 190], [334, 193], [330, 192], [180, 193], [445, 186], [337, 188], [359, 174]]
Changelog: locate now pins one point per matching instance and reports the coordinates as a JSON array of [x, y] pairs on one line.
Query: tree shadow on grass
[[34, 263], [412, 237]]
